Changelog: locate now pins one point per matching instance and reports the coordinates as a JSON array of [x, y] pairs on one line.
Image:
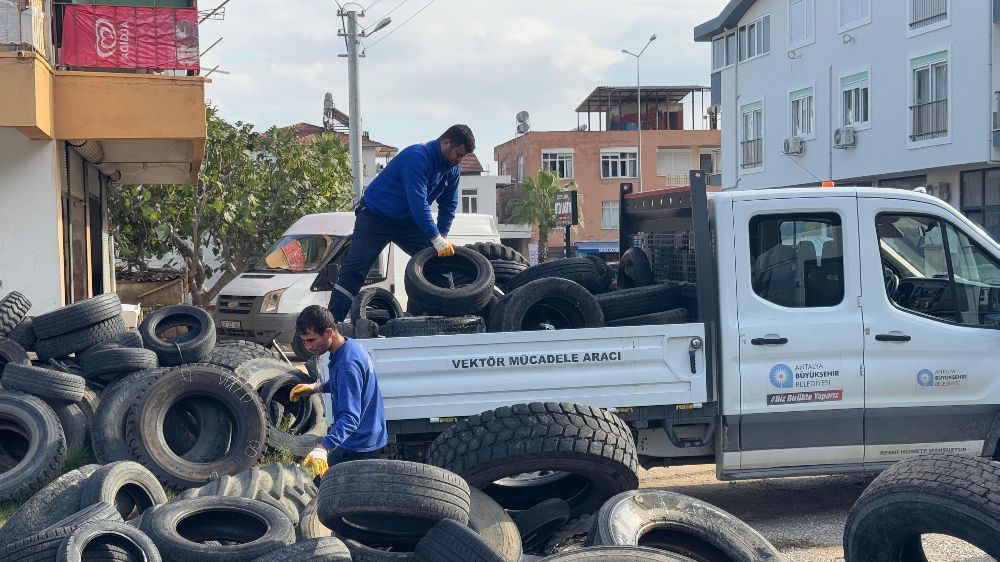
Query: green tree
[[537, 206], [251, 187]]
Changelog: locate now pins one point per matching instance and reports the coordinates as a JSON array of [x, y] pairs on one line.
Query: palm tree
[[537, 206]]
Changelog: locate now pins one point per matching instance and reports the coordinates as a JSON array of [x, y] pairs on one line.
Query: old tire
[[77, 316], [12, 352], [634, 269], [24, 333], [231, 354], [325, 549], [84, 542], [674, 316], [286, 486], [79, 340], [603, 271], [375, 298], [127, 485], [625, 303], [450, 541], [952, 495], [127, 339], [107, 432], [246, 528], [13, 307], [494, 251], [582, 271], [309, 425], [310, 526], [427, 281], [144, 429], [546, 304], [492, 522], [101, 511], [616, 554], [76, 426], [112, 363], [44, 383], [390, 502], [679, 524], [33, 439], [433, 326], [161, 333], [539, 522], [582, 454], [58, 500]]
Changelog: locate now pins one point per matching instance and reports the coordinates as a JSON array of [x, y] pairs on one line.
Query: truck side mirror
[[326, 279]]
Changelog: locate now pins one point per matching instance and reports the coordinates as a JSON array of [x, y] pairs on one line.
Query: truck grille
[[229, 304]]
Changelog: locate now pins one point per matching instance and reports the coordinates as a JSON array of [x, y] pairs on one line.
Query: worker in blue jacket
[[352, 399], [396, 207]]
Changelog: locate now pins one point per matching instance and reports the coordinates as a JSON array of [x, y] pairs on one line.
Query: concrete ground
[[803, 517]]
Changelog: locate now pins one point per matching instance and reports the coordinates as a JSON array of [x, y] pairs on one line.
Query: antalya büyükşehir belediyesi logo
[[781, 376]]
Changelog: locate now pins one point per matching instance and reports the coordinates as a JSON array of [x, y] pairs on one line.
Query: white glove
[[444, 248], [316, 460]]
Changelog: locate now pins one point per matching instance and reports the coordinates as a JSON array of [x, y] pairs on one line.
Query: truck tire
[[538, 523], [953, 495], [144, 428], [546, 304], [127, 339], [617, 554], [588, 453], [32, 435], [246, 528], [106, 365], [425, 281], [127, 485], [498, 252], [12, 352], [375, 298], [675, 316], [603, 270], [58, 500], [36, 547], [285, 486], [390, 502], [13, 308], [626, 303], [87, 539], [193, 345], [75, 425], [107, 432], [231, 354], [24, 333], [310, 526], [78, 316], [503, 271], [100, 511], [634, 269], [492, 522], [582, 271], [78, 340], [308, 425], [409, 326], [681, 525], [44, 383], [450, 541], [326, 549]]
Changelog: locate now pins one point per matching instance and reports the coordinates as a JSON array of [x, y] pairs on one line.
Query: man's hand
[[300, 390], [445, 249], [316, 461]]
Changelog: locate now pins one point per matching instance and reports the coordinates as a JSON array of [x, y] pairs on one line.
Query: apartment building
[[603, 152], [91, 96], [899, 94]]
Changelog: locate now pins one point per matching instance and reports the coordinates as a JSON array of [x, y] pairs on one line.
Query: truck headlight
[[271, 300]]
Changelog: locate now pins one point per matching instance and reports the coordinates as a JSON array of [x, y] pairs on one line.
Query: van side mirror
[[326, 279]]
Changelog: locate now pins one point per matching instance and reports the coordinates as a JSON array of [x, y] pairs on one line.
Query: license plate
[[235, 324]]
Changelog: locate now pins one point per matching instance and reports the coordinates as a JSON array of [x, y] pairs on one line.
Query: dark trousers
[[372, 233]]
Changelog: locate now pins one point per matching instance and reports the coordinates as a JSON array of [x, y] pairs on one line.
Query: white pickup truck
[[832, 330]]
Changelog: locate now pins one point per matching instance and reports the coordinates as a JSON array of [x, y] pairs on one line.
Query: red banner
[[130, 37]]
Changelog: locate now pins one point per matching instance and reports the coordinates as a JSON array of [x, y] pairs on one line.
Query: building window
[[619, 164], [755, 38], [854, 13], [609, 215], [724, 51], [797, 261], [503, 168], [752, 135], [470, 200], [929, 112], [924, 13], [520, 167], [854, 100], [801, 23], [560, 163], [981, 199], [674, 164], [803, 119]]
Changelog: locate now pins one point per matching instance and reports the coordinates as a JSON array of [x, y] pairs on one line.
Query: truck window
[[932, 268], [797, 260]]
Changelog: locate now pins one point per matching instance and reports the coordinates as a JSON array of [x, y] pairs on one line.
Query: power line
[[394, 9], [372, 5], [386, 36]]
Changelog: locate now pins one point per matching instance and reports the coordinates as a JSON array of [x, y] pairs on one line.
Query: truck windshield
[[300, 253]]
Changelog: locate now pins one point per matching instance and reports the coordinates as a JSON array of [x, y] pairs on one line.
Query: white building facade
[[899, 93]]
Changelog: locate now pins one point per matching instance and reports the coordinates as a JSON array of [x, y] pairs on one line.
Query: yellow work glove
[[445, 249], [316, 461], [303, 390]]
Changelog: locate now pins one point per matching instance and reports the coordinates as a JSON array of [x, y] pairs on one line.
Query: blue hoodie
[[413, 180], [359, 424]]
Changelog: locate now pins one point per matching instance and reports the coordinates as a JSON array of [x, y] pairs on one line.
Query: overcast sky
[[477, 62]]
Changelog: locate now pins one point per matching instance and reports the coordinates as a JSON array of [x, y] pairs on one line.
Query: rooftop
[[305, 131], [728, 19], [470, 165], [605, 97]]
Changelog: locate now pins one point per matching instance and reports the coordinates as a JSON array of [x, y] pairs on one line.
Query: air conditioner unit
[[844, 137], [941, 190], [794, 145]]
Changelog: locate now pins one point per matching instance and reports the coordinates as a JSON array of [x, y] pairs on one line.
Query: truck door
[[931, 287], [800, 326]]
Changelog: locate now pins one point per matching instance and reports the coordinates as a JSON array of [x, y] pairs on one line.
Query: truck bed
[[431, 377]]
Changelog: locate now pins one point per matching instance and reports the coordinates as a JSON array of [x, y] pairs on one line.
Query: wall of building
[[883, 48], [486, 191], [30, 209]]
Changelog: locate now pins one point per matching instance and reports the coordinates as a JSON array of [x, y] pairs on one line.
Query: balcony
[[929, 120], [927, 12], [752, 153]]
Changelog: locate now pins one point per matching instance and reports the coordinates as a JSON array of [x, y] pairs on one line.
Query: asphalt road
[[803, 517]]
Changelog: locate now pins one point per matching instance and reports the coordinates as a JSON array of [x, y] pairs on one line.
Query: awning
[[599, 246]]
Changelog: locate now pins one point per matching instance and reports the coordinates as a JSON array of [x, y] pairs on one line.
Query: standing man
[[358, 425], [396, 207]]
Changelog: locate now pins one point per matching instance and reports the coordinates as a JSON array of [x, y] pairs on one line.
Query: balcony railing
[[927, 12], [753, 153], [930, 120]]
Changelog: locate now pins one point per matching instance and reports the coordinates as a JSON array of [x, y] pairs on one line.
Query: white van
[[261, 304]]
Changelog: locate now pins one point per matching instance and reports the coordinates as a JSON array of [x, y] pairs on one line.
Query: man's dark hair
[[460, 135], [315, 318]]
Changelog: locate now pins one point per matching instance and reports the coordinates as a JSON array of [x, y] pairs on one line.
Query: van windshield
[[300, 253]]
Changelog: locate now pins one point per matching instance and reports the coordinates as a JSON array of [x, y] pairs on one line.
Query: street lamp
[[638, 104]]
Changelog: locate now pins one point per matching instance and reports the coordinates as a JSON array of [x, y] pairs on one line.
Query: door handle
[[769, 341], [892, 337]]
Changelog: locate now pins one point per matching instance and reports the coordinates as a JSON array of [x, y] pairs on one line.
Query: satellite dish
[[522, 117], [523, 128]]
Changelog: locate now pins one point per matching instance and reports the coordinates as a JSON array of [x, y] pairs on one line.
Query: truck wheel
[[583, 271], [616, 554], [679, 524], [585, 454], [375, 298], [450, 541], [634, 269], [546, 304], [13, 308], [951, 495], [675, 316], [538, 523], [31, 434], [179, 334], [625, 303], [461, 284], [432, 326]]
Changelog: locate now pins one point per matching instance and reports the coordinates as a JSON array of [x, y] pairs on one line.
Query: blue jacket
[[413, 180], [359, 424]]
